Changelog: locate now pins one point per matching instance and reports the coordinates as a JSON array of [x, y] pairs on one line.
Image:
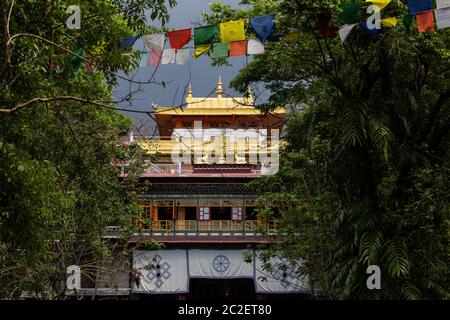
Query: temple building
[[198, 205]]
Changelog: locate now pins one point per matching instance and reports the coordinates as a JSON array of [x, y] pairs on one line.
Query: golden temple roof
[[218, 105]]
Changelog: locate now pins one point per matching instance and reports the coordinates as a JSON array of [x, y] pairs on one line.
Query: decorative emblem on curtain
[[284, 273], [221, 263], [159, 271]]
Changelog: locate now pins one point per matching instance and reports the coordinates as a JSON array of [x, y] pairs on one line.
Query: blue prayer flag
[[371, 32], [264, 26], [416, 6], [128, 42]]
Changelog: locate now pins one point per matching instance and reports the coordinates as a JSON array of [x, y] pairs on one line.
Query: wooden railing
[[253, 226]]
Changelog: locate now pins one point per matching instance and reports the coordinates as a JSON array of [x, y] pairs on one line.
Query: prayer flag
[[168, 56], [350, 12], [144, 59], [232, 31], [323, 20], [179, 38], [345, 31], [76, 59], [238, 48], [220, 50], [182, 56], [416, 6], [389, 22], [372, 32], [442, 18], [292, 37], [407, 20], [263, 26], [205, 35], [154, 42], [379, 3], [440, 4], [425, 21], [154, 58], [199, 50], [127, 42], [255, 47], [89, 67]]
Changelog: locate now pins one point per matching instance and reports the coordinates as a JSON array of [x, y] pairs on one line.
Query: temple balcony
[[200, 170], [205, 231]]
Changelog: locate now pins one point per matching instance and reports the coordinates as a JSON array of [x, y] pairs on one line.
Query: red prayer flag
[[323, 20], [154, 58], [179, 38], [89, 67], [425, 21], [238, 48]]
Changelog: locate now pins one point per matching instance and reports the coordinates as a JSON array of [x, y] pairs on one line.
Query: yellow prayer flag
[[232, 31], [389, 22], [380, 3], [292, 37], [199, 50]]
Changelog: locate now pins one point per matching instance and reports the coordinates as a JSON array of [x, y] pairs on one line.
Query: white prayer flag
[[154, 42], [255, 47], [168, 56], [442, 4], [345, 31], [442, 18], [183, 56]]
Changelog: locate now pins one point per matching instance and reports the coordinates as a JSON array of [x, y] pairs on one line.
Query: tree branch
[[52, 99]]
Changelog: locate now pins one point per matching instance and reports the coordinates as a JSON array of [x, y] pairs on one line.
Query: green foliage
[[367, 164], [59, 174]]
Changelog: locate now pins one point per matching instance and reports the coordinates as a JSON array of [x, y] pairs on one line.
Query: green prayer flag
[[76, 60], [350, 12], [220, 50], [407, 20], [205, 35]]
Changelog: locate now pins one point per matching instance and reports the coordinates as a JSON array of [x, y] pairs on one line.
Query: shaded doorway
[[222, 289]]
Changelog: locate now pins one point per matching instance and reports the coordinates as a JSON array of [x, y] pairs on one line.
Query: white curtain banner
[[220, 264], [283, 278], [162, 271]]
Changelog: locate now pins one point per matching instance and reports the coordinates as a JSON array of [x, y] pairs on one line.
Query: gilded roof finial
[[189, 93], [219, 88]]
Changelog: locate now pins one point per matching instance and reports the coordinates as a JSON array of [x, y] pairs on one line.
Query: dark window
[[187, 124], [220, 213], [214, 125], [190, 213], [165, 213]]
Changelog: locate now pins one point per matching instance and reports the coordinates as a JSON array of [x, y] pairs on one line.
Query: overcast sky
[[203, 76]]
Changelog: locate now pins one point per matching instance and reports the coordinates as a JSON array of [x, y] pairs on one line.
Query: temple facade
[[197, 203]]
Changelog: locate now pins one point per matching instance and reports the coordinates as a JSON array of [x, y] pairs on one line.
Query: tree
[[367, 161], [60, 138]]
